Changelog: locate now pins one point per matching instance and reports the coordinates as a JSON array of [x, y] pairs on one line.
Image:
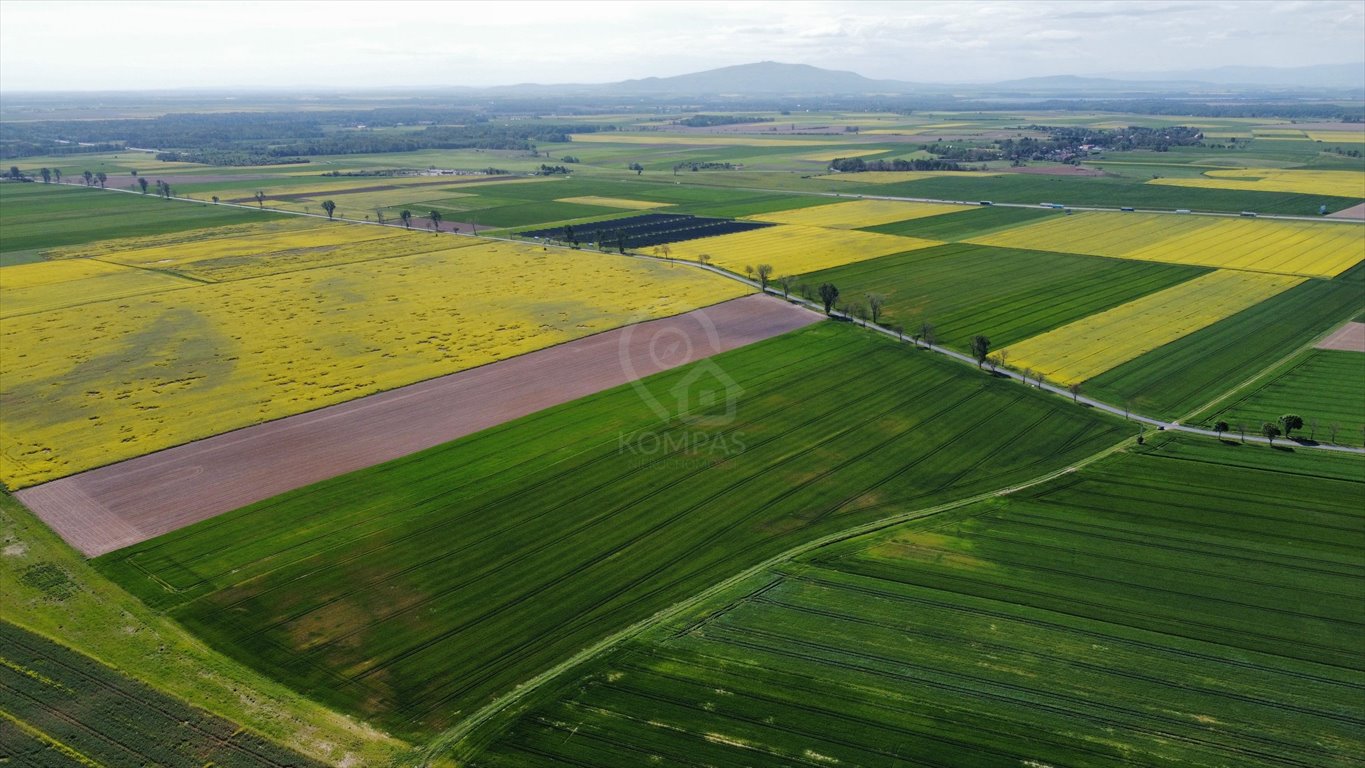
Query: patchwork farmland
[[423, 437]]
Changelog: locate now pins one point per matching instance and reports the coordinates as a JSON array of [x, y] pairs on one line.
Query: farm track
[[1087, 401], [452, 737], [111, 507]]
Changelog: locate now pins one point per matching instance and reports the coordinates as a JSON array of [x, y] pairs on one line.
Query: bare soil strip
[[113, 507], [1354, 212], [1349, 337]]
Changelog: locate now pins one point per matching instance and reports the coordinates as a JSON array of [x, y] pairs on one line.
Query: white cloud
[[58, 44]]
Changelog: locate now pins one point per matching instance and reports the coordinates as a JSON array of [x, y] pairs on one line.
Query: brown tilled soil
[[1354, 212], [112, 507], [1350, 337]]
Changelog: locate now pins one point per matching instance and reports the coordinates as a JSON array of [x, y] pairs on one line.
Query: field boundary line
[[452, 737], [1307, 346], [1127, 414]]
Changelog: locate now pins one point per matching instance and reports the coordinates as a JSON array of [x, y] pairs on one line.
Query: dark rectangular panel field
[[62, 708], [1163, 607], [1004, 293], [415, 591], [647, 230]]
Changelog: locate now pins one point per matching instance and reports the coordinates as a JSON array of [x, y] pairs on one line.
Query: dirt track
[[112, 507], [1354, 212]]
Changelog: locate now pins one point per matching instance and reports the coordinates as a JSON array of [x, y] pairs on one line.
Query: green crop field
[[1112, 192], [416, 590], [1004, 293], [1180, 377], [34, 217], [1325, 387], [958, 226], [1163, 607], [64, 709]]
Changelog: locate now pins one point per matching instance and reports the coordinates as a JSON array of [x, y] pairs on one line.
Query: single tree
[[57, 173], [639, 169], [704, 259], [765, 271], [1075, 389], [569, 235], [330, 207], [1004, 357], [994, 362], [435, 217], [1291, 422], [875, 302], [926, 330], [102, 177], [88, 176], [46, 174], [748, 271], [1242, 431], [215, 199], [981, 346], [166, 190], [1271, 431], [828, 295], [667, 251], [786, 281], [1220, 428], [1332, 430], [916, 337], [1027, 373], [379, 215], [406, 216], [260, 198], [1313, 430], [900, 332]]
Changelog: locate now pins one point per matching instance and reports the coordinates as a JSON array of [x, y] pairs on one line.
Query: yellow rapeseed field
[[29, 288], [1338, 137], [793, 249], [1336, 183], [613, 202], [894, 177], [860, 213], [1306, 248], [1088, 347], [108, 380], [693, 139]]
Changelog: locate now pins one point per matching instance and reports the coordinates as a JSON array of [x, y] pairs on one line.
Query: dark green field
[[39, 216], [1112, 192], [417, 590], [1325, 387], [60, 708], [956, 226], [1186, 374], [1164, 607], [1004, 293]]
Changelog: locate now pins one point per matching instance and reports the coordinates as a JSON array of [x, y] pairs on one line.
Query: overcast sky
[[53, 45]]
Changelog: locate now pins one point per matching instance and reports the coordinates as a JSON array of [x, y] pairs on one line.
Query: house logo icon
[[704, 394]]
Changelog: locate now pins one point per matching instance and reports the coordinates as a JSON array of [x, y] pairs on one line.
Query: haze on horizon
[[138, 45]]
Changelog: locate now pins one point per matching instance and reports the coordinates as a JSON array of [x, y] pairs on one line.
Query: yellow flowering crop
[[1092, 345], [613, 202], [109, 380], [693, 139], [1336, 183], [793, 249], [1307, 248], [29, 288], [860, 213], [1339, 137]]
